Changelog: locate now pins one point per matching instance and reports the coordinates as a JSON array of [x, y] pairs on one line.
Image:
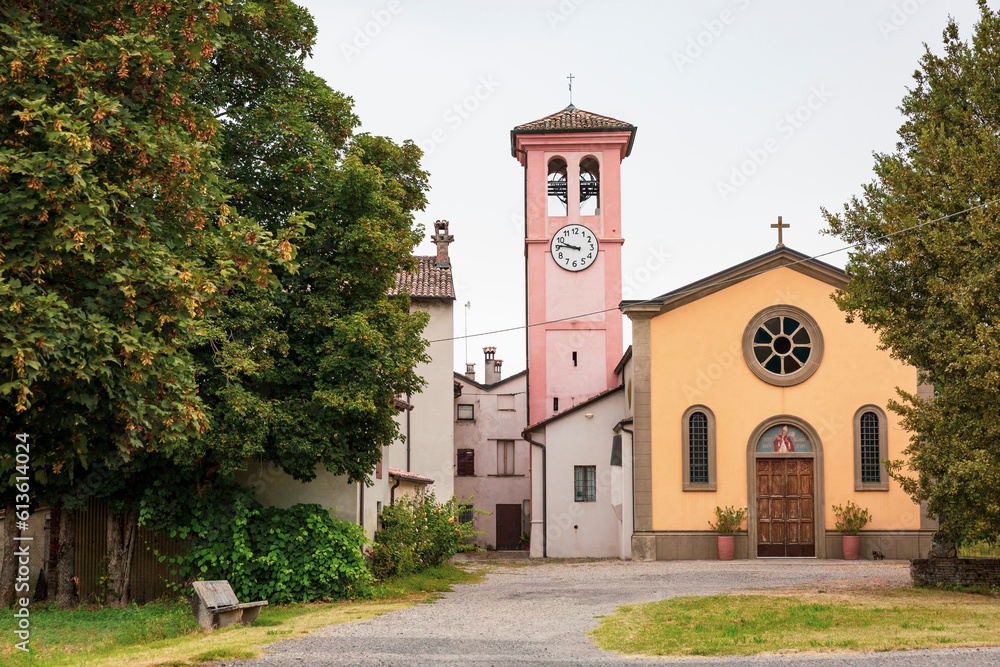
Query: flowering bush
[[417, 533], [728, 520]]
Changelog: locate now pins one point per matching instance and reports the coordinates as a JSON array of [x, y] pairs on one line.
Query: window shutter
[[466, 462]]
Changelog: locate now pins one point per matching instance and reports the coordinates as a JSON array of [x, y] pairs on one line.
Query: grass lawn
[[841, 621], [165, 633]]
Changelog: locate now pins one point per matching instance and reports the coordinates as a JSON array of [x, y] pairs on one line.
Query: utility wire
[[728, 280]]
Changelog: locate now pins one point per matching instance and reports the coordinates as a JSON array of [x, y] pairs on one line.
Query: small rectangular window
[[505, 402], [465, 513], [586, 484], [555, 405], [505, 457], [466, 412], [574, 358], [466, 463]]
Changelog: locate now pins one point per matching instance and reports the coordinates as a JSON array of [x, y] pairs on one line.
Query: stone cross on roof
[[780, 226]]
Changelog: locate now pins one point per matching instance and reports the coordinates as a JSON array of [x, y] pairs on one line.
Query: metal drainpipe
[[409, 409], [361, 510], [392, 490], [545, 512]]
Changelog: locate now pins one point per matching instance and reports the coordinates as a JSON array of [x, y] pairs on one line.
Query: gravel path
[[539, 614]]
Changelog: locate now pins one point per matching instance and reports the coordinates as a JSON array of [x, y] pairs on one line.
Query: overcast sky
[[746, 109]]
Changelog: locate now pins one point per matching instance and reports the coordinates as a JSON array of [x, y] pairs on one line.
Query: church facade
[[748, 388], [756, 392]]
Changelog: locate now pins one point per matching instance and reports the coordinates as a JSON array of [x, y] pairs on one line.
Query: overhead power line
[[729, 280]]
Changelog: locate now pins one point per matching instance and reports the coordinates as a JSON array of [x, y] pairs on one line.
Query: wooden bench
[[215, 605]]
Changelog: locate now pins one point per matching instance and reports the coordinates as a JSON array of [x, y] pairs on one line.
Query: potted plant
[[727, 523], [851, 519]]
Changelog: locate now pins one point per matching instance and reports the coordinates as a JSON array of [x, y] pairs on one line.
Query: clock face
[[574, 247]]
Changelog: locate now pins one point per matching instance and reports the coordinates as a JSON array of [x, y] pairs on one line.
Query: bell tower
[[573, 240]]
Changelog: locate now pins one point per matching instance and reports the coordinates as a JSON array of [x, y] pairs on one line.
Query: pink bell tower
[[573, 248]]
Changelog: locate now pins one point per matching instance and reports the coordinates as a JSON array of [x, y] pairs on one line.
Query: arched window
[[870, 449], [557, 187], [698, 428], [590, 187], [698, 448]]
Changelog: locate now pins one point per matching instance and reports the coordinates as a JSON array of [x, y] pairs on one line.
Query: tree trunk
[[66, 595], [9, 565], [122, 530], [52, 551]]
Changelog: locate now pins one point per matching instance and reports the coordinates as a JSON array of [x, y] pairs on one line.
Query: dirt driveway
[[528, 614]]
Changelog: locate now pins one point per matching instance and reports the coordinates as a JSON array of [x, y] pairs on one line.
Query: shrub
[[417, 533], [297, 554], [303, 553], [728, 520], [851, 518]]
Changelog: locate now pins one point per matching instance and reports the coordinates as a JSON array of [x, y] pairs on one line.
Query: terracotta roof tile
[[572, 118], [412, 476], [427, 282]]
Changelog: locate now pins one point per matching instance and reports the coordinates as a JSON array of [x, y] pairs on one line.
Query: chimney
[[441, 239], [497, 363], [491, 368], [470, 371]]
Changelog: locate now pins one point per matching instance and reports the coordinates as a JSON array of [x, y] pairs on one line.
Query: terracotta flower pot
[[726, 547], [851, 545]]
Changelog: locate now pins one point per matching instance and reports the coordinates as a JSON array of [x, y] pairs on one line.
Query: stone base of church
[[703, 545], [892, 544], [643, 547], [683, 545]]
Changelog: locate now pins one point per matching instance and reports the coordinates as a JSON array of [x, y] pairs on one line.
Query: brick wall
[[955, 571]]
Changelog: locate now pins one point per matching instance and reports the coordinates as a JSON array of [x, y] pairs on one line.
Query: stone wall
[[955, 571]]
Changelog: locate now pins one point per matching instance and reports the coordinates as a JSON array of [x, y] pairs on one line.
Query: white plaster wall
[[431, 443], [491, 424], [587, 529], [272, 487], [432, 438]]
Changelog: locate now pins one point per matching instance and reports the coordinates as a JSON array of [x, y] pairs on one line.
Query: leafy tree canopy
[[933, 293], [116, 238], [304, 374]]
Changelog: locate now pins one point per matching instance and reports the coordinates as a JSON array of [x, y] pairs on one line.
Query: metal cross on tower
[[570, 77], [780, 226]]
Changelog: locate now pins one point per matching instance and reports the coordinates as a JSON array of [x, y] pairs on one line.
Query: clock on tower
[[572, 161]]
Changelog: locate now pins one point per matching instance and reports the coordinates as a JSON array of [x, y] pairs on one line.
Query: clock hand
[[566, 245]]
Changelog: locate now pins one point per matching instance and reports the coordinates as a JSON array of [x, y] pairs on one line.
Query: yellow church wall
[[696, 359]]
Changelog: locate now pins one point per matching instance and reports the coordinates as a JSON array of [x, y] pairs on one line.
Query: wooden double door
[[785, 507]]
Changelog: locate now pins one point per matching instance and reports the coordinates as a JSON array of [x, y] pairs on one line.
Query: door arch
[[793, 465]]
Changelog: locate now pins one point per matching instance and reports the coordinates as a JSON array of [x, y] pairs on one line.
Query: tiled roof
[[411, 476], [575, 119], [427, 282], [574, 408]]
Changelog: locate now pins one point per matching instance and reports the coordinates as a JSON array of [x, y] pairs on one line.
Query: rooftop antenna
[[570, 77]]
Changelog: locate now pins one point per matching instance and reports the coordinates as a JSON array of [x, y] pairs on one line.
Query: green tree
[[116, 239], [933, 293], [305, 374]]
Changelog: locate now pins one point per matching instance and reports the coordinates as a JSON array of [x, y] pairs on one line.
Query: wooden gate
[[508, 527], [785, 521]]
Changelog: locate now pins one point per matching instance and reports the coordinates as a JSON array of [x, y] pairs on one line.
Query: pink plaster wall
[[556, 294]]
